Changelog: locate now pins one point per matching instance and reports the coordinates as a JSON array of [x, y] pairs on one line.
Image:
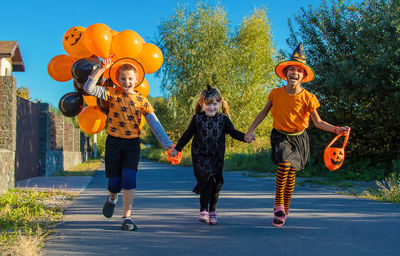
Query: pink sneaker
[[204, 217], [213, 218]]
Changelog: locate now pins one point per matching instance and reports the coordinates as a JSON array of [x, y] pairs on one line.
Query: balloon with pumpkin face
[[334, 157], [73, 43]]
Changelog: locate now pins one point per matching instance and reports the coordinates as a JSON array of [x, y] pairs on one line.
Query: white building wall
[[5, 67]]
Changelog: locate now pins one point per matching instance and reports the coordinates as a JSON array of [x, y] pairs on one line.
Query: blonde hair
[[209, 94]]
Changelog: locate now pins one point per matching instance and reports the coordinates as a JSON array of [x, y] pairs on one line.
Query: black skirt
[[292, 148]]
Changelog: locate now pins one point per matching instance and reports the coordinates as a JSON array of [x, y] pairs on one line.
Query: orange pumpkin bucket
[[334, 157]]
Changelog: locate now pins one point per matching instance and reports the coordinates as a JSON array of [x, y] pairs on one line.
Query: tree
[[355, 52], [200, 48], [23, 92]]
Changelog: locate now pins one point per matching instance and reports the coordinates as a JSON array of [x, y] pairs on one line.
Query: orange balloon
[[97, 38], [59, 67], [90, 100], [73, 43], [127, 44], [143, 88], [92, 120], [106, 74], [114, 33], [142, 122], [150, 57]]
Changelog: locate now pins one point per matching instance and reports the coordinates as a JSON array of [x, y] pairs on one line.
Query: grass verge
[[27, 217], [386, 191]]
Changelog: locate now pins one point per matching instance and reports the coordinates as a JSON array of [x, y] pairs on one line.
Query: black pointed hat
[[298, 58]]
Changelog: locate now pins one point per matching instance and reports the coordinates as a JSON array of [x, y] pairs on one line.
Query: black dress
[[208, 147]]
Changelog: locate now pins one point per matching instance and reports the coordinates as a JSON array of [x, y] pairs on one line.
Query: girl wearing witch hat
[[291, 106]]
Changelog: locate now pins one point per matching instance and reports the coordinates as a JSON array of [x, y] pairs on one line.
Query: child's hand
[[106, 63], [173, 153], [249, 137], [343, 130], [101, 67]]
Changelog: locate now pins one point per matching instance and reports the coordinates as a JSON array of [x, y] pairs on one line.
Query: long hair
[[209, 94]]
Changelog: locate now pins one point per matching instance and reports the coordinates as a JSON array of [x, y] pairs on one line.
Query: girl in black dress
[[208, 128]]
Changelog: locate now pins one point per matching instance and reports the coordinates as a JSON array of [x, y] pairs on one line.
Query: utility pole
[[95, 145]]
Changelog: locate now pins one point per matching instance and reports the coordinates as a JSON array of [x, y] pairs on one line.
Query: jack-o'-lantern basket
[[334, 157]]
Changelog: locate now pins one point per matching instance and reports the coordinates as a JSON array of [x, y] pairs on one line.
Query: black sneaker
[[108, 208], [128, 224]]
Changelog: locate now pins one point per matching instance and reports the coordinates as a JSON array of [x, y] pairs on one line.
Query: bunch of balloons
[[84, 47]]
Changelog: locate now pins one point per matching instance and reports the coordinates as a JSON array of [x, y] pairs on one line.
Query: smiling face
[[127, 79], [294, 75], [333, 158], [337, 157], [211, 107]]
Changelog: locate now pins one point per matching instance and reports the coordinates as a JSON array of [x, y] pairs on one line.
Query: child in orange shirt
[[123, 143], [291, 106]]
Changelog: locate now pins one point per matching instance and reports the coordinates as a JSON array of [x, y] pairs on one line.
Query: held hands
[[249, 137], [173, 156], [173, 153]]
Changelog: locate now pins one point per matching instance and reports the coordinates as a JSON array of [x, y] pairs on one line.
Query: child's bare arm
[[250, 135], [320, 124]]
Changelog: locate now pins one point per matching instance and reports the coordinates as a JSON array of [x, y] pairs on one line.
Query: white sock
[[113, 201]]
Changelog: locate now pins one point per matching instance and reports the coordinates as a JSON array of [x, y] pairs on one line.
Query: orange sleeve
[[314, 104], [147, 108], [271, 95]]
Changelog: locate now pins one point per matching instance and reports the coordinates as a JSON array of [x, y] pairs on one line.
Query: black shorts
[[121, 153]]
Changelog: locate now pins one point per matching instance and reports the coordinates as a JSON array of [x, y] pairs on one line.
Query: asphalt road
[[166, 211]]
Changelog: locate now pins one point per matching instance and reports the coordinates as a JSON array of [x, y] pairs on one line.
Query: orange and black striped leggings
[[285, 182]]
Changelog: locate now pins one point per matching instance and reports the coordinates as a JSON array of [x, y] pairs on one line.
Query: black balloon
[[82, 68], [103, 105], [71, 104], [79, 88]]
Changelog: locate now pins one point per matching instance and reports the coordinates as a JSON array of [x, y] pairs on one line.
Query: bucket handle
[[338, 136]]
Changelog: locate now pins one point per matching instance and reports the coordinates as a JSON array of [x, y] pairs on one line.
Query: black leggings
[[209, 196]]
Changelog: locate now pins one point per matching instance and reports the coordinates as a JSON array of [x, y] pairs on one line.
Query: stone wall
[[8, 120], [61, 146], [65, 146]]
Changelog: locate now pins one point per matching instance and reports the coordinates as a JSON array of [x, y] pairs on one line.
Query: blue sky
[[39, 26]]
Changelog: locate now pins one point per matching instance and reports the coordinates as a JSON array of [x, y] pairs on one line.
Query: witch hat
[[298, 58]]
